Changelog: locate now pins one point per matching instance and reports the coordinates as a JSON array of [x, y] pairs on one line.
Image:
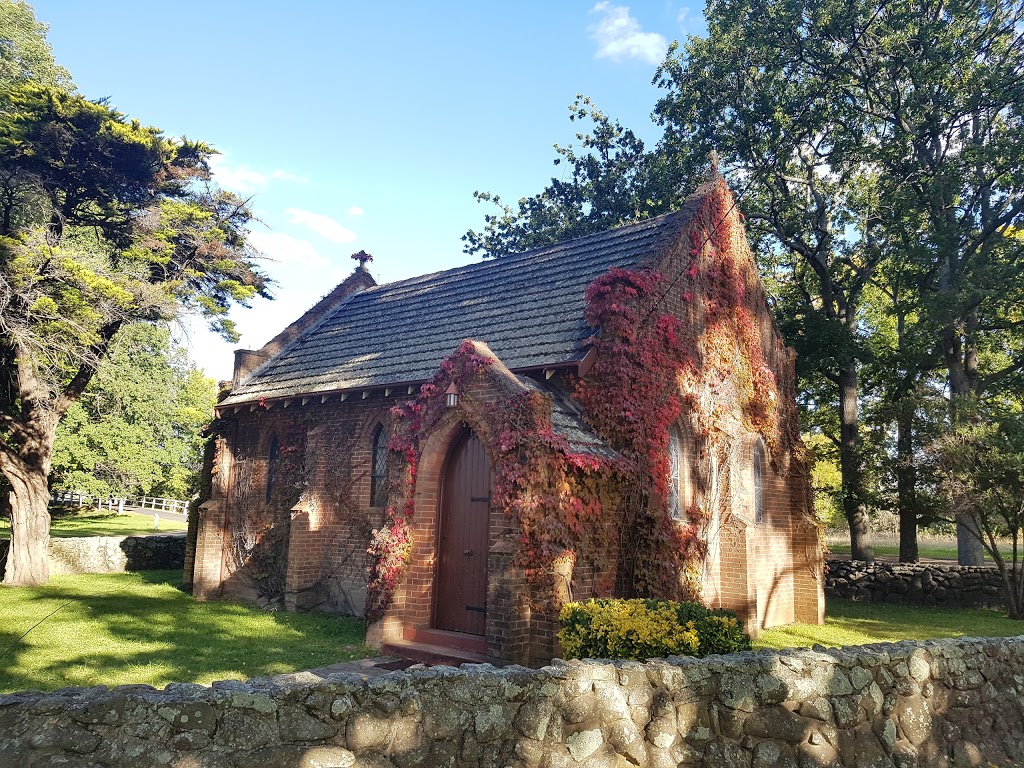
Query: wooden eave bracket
[[584, 366]]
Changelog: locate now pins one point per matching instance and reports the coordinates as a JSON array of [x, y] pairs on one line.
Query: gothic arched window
[[676, 476], [759, 467], [273, 464], [379, 468]]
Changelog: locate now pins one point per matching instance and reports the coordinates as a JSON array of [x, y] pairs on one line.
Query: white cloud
[[619, 36], [285, 249], [355, 210], [683, 19], [279, 175], [324, 226], [243, 179]]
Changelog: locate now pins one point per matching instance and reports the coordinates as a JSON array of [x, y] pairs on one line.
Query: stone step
[[460, 640], [436, 655]]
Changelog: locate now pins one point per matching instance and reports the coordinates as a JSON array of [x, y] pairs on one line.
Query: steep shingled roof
[[528, 308]]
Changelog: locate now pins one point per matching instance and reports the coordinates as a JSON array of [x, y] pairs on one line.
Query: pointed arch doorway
[[460, 585]]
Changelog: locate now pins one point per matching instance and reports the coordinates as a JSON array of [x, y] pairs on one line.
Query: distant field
[[938, 552], [939, 548], [101, 523]]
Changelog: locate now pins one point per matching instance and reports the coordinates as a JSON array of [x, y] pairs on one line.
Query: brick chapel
[[456, 455]]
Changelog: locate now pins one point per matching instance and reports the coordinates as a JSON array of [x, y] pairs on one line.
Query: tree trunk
[[5, 499], [906, 485], [962, 379], [969, 550], [850, 466], [26, 466], [28, 561]]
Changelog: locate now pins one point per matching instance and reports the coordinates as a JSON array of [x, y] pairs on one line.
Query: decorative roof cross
[[362, 257]]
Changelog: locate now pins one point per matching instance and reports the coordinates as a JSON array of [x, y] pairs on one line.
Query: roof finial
[[362, 257], [713, 159]]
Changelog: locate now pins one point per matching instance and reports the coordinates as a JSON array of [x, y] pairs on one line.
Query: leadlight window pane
[[675, 455], [758, 483], [379, 470]]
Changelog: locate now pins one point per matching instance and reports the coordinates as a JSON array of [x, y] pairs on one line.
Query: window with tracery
[[273, 465], [379, 469], [677, 475], [759, 467]]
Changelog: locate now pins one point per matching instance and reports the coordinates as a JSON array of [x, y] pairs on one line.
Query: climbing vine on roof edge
[[391, 544], [559, 500]]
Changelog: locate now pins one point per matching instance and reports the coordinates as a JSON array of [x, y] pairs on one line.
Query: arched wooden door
[[460, 586]]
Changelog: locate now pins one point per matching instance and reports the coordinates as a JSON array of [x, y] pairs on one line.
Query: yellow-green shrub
[[609, 628]]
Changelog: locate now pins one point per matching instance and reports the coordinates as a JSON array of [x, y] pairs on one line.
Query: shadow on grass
[[170, 578], [140, 628], [11, 676]]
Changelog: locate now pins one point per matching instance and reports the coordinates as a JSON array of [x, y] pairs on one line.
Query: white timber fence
[[154, 505]]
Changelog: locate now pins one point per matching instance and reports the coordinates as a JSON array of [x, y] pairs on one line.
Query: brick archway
[[506, 633], [412, 604], [463, 538]]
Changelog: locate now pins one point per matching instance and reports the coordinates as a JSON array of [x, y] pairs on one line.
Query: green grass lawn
[[140, 628], [101, 523], [853, 623]]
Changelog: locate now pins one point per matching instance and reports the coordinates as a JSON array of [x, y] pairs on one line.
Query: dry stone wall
[[112, 554], [939, 703], [954, 586]]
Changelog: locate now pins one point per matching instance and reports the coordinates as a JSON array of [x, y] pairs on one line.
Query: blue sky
[[365, 126]]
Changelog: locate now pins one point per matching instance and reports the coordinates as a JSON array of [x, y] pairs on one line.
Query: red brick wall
[[324, 501]]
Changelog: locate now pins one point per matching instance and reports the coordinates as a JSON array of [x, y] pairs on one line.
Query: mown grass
[[101, 523], [140, 628], [854, 623]]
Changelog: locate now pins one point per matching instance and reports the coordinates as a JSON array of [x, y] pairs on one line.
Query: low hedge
[[609, 628]]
